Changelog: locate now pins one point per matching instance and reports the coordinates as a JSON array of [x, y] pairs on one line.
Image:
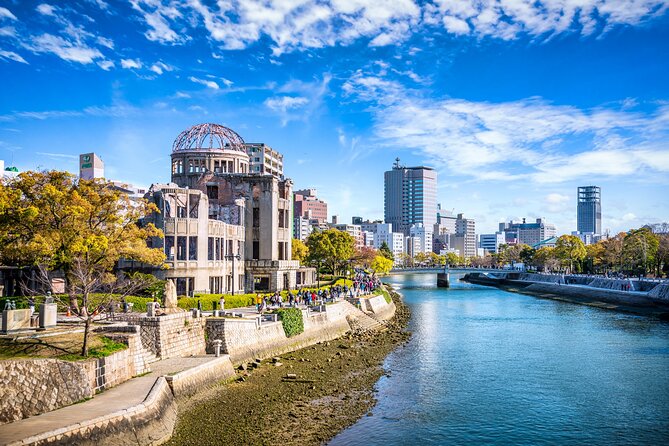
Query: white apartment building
[[490, 243]]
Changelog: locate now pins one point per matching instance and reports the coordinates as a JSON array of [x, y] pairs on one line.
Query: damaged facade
[[227, 229]]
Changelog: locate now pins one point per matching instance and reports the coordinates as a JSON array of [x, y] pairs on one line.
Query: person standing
[[31, 304]]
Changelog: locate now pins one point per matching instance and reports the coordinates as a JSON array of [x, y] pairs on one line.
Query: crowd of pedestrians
[[362, 284]]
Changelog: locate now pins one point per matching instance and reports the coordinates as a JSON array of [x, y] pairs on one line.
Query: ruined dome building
[[227, 226]]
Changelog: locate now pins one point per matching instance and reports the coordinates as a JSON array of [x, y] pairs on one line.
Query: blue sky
[[515, 103]]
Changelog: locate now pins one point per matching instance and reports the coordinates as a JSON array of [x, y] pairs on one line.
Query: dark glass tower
[[589, 210]]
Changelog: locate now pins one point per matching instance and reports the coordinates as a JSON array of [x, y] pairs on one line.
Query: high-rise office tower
[[589, 210], [91, 166], [410, 196]]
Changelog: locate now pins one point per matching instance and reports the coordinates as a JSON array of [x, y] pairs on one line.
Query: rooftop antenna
[[397, 163]]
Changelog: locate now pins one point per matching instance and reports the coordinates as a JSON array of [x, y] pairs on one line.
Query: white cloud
[[508, 19], [106, 65], [131, 64], [8, 31], [283, 105], [6, 14], [300, 24], [525, 139], [209, 84], [160, 67], [65, 49], [12, 56], [157, 20], [46, 9], [181, 95]]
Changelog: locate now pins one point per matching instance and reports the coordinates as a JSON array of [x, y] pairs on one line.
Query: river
[[486, 366]]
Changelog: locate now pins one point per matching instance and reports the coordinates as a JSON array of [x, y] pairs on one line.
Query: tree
[[544, 258], [452, 259], [569, 249], [526, 254], [640, 247], [299, 250], [613, 252], [330, 247], [510, 253], [385, 251], [381, 265], [364, 256], [420, 258], [81, 227], [594, 257]]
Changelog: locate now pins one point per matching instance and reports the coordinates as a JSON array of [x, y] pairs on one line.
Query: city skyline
[[514, 114]]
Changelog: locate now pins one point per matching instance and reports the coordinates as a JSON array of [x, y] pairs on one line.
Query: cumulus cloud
[[131, 64], [209, 84], [526, 139]]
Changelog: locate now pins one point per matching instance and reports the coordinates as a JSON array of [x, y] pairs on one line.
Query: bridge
[[443, 272], [442, 269]]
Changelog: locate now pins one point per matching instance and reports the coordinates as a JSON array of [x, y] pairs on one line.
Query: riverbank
[[333, 387], [636, 302]]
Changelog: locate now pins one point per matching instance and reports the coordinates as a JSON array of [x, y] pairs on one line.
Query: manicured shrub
[[291, 318]]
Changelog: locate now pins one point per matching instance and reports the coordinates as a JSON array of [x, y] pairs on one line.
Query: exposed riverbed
[[333, 389]]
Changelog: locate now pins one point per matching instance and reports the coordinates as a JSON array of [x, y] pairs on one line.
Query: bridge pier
[[444, 279]]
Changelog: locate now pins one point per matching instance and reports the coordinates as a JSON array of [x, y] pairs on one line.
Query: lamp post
[[233, 257]]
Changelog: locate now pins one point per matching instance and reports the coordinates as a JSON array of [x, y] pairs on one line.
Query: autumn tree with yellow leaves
[[56, 221]]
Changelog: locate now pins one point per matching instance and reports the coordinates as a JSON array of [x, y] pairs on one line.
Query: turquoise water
[[486, 366]]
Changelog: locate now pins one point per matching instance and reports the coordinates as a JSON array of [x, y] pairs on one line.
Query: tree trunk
[[87, 328]]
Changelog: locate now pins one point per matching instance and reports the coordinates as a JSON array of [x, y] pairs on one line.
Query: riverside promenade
[[133, 396], [143, 410]]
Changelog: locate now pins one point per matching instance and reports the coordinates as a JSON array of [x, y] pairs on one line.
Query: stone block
[[14, 320], [47, 315]]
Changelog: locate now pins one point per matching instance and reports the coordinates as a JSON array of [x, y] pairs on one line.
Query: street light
[[233, 257]]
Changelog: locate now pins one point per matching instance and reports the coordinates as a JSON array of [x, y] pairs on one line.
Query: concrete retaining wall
[[245, 340], [611, 296], [380, 308], [149, 423], [193, 380]]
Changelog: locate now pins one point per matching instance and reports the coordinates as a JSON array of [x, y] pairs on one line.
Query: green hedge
[[291, 318]]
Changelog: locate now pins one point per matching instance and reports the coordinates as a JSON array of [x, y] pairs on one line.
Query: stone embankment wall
[[171, 335], [33, 386], [244, 340]]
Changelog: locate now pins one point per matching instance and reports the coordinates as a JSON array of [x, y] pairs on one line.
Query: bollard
[[217, 347]]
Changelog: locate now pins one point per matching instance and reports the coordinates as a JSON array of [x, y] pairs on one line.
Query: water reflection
[[487, 366]]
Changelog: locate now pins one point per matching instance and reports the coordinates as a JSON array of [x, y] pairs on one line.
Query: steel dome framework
[[208, 137]]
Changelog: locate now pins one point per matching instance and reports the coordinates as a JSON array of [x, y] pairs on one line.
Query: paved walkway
[[124, 396]]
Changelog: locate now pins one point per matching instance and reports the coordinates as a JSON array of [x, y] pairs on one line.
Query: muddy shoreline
[[334, 387]]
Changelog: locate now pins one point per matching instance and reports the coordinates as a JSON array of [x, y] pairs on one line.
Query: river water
[[485, 366]]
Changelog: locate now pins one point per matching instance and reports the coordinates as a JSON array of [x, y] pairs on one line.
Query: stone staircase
[[362, 321]]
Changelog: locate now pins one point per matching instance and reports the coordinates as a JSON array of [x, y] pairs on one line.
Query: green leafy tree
[[640, 247], [80, 227], [299, 250], [569, 249], [526, 254], [385, 251], [330, 247], [381, 265], [452, 259]]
